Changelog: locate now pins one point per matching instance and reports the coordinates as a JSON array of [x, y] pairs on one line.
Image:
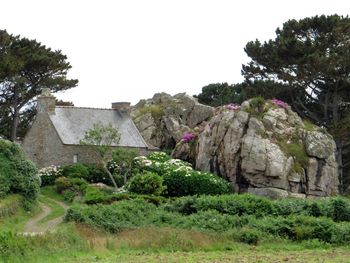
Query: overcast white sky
[[128, 50]]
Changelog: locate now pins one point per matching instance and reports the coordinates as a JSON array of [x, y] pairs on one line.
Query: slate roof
[[71, 123]]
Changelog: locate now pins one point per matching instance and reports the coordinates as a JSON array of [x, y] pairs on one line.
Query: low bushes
[[49, 174], [338, 209], [147, 183], [244, 228], [179, 177]]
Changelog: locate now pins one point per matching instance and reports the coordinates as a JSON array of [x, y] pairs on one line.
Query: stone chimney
[[122, 107], [46, 102]]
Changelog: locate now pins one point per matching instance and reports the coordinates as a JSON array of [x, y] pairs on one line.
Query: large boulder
[[263, 147], [164, 119]]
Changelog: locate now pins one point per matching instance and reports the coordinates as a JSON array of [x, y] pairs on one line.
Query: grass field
[[79, 243]]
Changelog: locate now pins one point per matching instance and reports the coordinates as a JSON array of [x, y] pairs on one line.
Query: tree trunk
[[339, 157], [15, 121], [110, 175]]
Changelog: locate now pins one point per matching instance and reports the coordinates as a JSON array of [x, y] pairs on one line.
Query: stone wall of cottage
[[44, 147]]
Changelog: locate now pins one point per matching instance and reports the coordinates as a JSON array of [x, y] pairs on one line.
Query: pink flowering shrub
[[233, 106], [280, 103], [187, 137]]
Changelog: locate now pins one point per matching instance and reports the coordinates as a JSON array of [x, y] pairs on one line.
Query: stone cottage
[[54, 138]]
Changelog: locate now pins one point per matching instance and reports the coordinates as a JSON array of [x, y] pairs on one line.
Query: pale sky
[[127, 50]]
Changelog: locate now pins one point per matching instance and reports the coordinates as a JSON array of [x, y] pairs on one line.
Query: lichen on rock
[[256, 145], [269, 148]]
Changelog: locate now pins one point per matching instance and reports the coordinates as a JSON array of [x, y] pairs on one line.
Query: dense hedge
[[179, 177], [338, 209], [17, 174], [246, 227]]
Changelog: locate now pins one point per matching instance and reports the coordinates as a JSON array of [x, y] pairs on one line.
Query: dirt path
[[34, 228]]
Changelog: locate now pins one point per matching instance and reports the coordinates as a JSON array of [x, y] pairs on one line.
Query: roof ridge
[[89, 108]]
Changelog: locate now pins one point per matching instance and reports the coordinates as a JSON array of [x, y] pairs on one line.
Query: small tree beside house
[[101, 138]]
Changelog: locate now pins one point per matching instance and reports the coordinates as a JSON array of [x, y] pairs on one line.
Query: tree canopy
[[219, 94], [26, 67], [312, 58], [100, 138]]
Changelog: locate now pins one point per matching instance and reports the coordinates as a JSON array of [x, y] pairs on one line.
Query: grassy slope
[[75, 243], [56, 211], [16, 221]]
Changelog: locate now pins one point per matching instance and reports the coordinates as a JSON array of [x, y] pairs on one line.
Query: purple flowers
[[280, 103], [233, 106], [187, 137]]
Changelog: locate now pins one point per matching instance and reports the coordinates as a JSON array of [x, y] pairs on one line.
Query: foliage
[[121, 164], [188, 137], [340, 210], [98, 174], [246, 227], [257, 102], [147, 183], [94, 195], [100, 138], [249, 236], [181, 182], [26, 68], [158, 157], [280, 103], [62, 184], [19, 248], [156, 111], [10, 205], [179, 177], [226, 204], [310, 57], [49, 174], [218, 94], [77, 170], [17, 174], [309, 126], [112, 218], [92, 173]]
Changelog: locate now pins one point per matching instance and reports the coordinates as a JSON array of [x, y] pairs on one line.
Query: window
[[75, 158]]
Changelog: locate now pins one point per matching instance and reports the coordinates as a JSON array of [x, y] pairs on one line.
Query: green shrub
[[5, 185], [158, 157], [179, 177], [181, 182], [79, 184], [297, 150], [245, 228], [17, 174], [249, 236], [98, 174], [147, 183], [115, 217], [121, 164], [257, 102], [225, 204], [49, 174], [92, 173], [62, 184], [94, 195], [156, 111], [340, 210], [77, 170]]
